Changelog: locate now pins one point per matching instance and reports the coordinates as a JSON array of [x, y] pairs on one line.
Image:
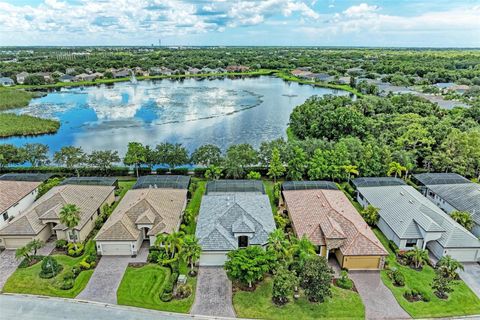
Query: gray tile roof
[[223, 214], [406, 210], [459, 192]]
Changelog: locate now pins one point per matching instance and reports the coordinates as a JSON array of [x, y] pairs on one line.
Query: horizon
[[441, 24]]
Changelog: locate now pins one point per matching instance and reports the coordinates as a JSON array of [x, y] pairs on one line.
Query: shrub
[[284, 282], [248, 265], [254, 175], [76, 271], [67, 284], [393, 246], [166, 297], [277, 189], [183, 291], [397, 277], [84, 265], [29, 262], [68, 275], [315, 278], [60, 244], [50, 268], [72, 252], [344, 282]]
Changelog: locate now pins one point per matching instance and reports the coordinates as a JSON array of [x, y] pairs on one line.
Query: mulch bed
[[238, 286], [59, 251], [137, 264]]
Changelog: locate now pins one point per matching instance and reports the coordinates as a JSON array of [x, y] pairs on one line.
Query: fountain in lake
[[133, 79]]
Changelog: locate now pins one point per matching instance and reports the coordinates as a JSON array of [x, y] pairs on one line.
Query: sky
[[388, 23]]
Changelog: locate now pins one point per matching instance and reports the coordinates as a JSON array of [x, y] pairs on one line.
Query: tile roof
[[327, 216], [406, 210], [160, 208], [223, 214], [12, 192], [87, 198]]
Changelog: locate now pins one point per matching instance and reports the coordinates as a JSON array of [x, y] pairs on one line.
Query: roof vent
[[411, 201], [402, 193]]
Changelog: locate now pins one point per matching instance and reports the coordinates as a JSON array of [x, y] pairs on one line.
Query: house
[[191, 70], [17, 193], [322, 213], [47, 76], [452, 192], [70, 71], [458, 88], [21, 77], [301, 73], [4, 81], [41, 220], [121, 74], [66, 78], [233, 214], [153, 206], [237, 68], [409, 219]]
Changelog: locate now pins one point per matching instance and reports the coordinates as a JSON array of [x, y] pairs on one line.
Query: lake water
[[190, 111]]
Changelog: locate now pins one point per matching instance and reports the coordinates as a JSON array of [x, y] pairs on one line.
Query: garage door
[[463, 255], [116, 249], [14, 243], [361, 263], [213, 259]]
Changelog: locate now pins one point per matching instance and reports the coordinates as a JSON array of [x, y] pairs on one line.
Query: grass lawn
[[461, 302], [27, 280], [123, 187], [194, 203], [268, 184], [258, 304], [141, 287]]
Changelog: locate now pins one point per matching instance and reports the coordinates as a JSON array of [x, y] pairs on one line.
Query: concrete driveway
[[214, 293], [8, 263], [378, 299], [107, 276], [471, 276]]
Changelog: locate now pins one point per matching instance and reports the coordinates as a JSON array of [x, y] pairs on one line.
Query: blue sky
[[398, 23]]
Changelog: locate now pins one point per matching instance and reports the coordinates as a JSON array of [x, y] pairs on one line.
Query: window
[[411, 243], [242, 241], [5, 216], [72, 235]]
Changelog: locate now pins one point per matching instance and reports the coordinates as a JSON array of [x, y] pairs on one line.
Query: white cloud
[[360, 10]]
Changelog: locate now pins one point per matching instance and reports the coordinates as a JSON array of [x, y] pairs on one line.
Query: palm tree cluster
[[178, 245]]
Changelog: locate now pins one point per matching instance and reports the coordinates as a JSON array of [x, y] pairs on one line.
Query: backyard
[[461, 302], [258, 304]]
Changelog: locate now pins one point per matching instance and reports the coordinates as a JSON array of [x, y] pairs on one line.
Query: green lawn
[[124, 186], [461, 302], [258, 304], [194, 203], [268, 184], [141, 287], [26, 280]]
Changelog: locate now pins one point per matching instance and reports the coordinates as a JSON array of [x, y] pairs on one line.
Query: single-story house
[[322, 213], [41, 220], [452, 192], [154, 206], [21, 77], [4, 81], [233, 214], [66, 78], [409, 219]]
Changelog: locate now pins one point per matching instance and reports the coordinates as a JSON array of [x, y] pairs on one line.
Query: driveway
[[378, 299], [214, 293], [107, 276], [8, 263], [471, 276]]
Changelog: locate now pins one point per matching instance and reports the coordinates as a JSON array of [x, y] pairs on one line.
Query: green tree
[[296, 164], [279, 244], [284, 282], [70, 157], [136, 155], [70, 217], [23, 253], [441, 284], [464, 218], [276, 168], [207, 155], [418, 257], [316, 278], [35, 245], [370, 215], [172, 155], [239, 157], [103, 159], [36, 154], [9, 154], [349, 171], [213, 173], [449, 266], [249, 264], [191, 250], [396, 169], [301, 250]]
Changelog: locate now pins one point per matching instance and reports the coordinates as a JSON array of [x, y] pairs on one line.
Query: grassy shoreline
[[23, 125]]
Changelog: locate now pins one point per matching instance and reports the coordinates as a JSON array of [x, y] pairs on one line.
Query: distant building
[[66, 78], [301, 73], [191, 70], [70, 71], [121, 74], [47, 76], [458, 88], [21, 77], [237, 68], [4, 81]]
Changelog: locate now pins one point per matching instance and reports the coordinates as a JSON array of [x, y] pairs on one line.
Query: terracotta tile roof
[[12, 192], [87, 198], [327, 215], [161, 208]]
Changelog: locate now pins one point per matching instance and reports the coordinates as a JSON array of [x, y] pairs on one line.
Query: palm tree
[[23, 252], [350, 170], [161, 240], [302, 249], [395, 168], [175, 241], [70, 217], [370, 215], [463, 218], [278, 243], [192, 250], [449, 266], [35, 244], [418, 256]]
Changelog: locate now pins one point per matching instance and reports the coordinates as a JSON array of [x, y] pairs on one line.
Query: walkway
[[8, 262], [107, 276], [214, 293], [378, 299], [35, 308], [471, 276]]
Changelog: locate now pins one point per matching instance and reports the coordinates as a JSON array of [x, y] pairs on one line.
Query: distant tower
[[159, 42]]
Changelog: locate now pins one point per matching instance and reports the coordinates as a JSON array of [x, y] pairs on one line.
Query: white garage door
[[14, 243], [213, 259], [116, 249], [463, 255]]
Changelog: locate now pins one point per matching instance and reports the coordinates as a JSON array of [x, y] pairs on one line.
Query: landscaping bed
[[423, 303], [258, 304]]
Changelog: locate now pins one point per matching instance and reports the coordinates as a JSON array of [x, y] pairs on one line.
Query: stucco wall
[[22, 205]]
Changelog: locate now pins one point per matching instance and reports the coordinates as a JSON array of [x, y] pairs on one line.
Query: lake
[[189, 111]]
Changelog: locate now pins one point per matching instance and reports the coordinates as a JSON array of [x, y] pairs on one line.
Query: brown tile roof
[[327, 215], [87, 198], [161, 208], [12, 192]]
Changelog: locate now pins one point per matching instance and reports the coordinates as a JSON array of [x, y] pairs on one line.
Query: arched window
[[242, 241]]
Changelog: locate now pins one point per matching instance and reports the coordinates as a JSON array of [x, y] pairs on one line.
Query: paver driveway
[[378, 299], [8, 263], [214, 293], [471, 276], [107, 276]]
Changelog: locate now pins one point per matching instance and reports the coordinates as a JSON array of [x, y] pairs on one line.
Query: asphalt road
[[22, 307]]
